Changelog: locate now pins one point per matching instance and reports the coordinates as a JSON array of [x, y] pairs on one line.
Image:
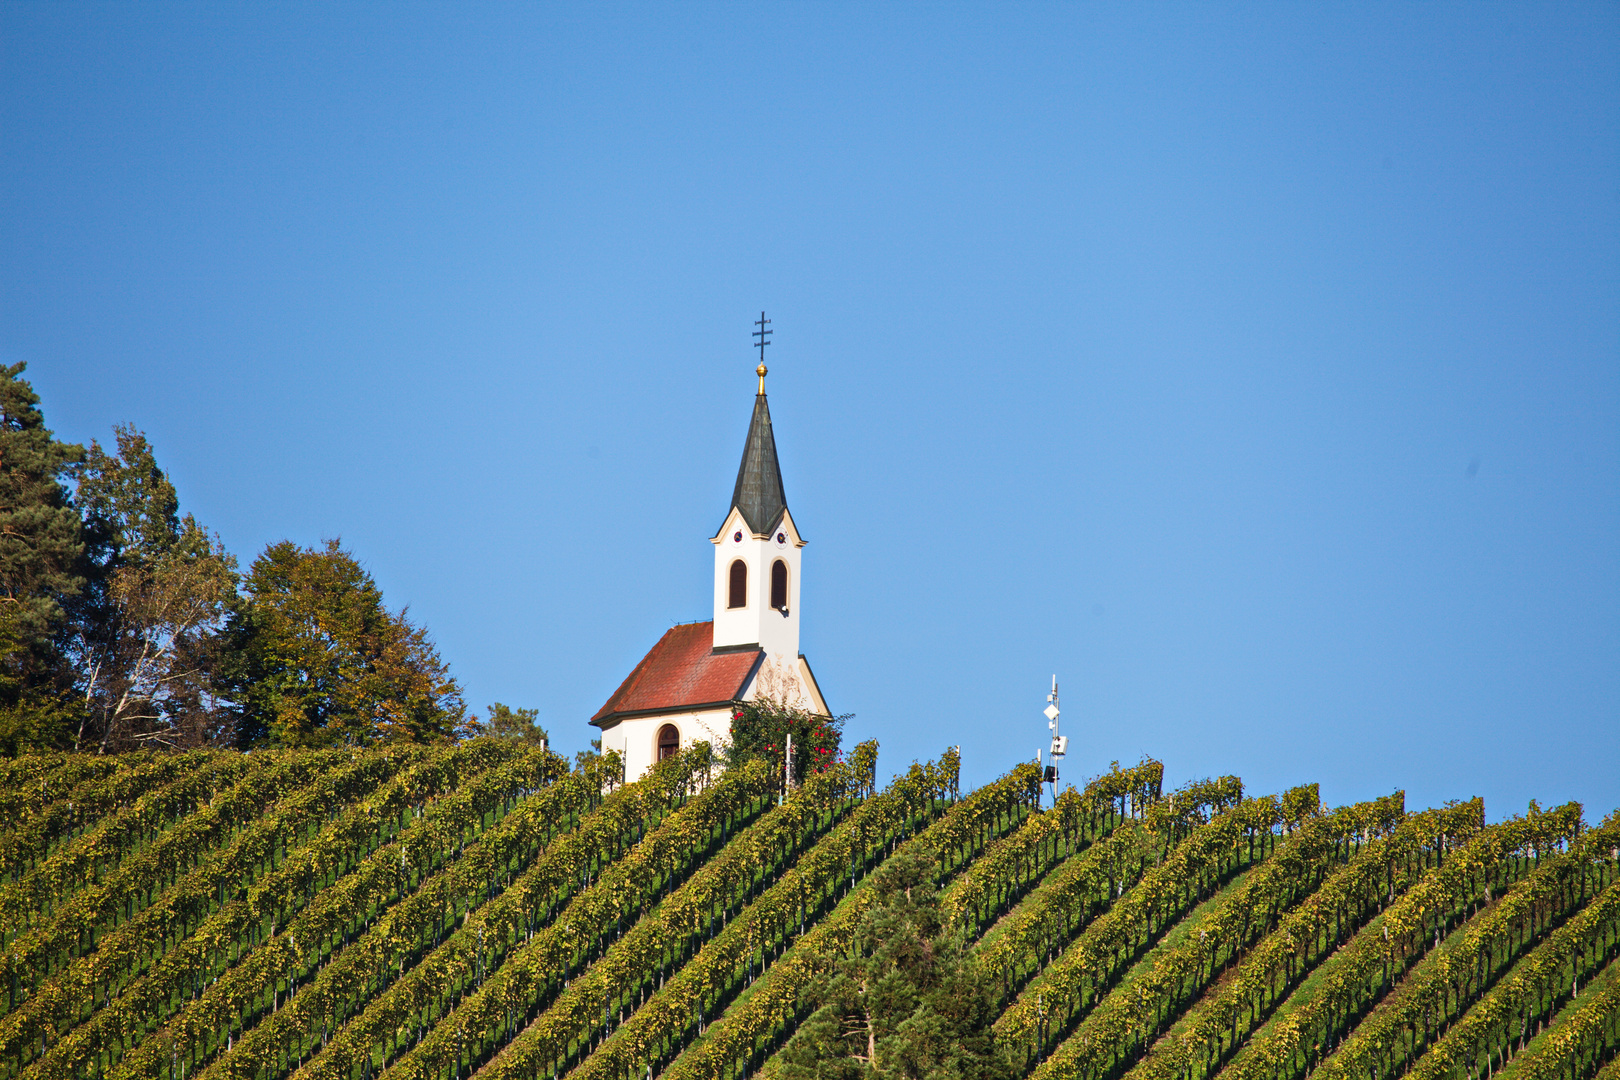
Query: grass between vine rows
[[345, 915]]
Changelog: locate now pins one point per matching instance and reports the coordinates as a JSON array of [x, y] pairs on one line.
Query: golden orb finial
[[760, 371]]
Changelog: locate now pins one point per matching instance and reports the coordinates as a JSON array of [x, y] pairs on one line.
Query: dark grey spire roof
[[759, 480]]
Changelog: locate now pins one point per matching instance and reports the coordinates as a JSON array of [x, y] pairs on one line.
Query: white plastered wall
[[757, 623], [637, 738]]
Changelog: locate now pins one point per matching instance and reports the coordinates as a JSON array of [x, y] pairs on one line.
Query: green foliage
[[1188, 874], [41, 537], [1085, 884], [465, 783], [513, 725], [906, 1001], [1526, 996], [121, 625], [43, 571], [1361, 972], [1448, 979], [777, 1000], [1121, 1026], [760, 730], [131, 509], [1309, 932], [471, 908], [759, 929], [147, 634], [552, 957], [35, 713], [319, 661]]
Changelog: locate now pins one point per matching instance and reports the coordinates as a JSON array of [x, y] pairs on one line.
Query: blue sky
[[1256, 369]]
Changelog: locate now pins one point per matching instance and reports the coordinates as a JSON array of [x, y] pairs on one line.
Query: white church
[[683, 689]]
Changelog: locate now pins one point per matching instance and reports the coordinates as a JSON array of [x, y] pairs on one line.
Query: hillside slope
[[484, 910]]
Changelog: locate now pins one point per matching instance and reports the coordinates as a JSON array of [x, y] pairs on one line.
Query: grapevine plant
[[484, 909]]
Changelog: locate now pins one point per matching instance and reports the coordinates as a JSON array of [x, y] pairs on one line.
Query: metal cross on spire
[[762, 333]]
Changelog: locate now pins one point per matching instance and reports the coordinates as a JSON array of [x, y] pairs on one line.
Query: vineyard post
[[787, 769]]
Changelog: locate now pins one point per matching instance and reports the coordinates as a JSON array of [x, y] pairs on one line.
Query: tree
[[906, 1002], [517, 725], [31, 717], [42, 569], [131, 509], [317, 660], [148, 626], [586, 760]]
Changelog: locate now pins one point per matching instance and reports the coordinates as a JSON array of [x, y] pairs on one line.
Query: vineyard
[[484, 910]]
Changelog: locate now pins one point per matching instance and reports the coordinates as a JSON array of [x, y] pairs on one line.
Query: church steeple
[[756, 556], [758, 494], [686, 687]]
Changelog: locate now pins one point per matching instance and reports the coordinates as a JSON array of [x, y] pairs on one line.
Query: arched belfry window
[[738, 596], [779, 592], [669, 741]]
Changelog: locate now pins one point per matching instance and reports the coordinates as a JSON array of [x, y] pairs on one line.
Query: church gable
[[786, 681]]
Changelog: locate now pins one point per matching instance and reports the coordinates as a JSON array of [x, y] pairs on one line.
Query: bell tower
[[756, 551], [686, 687]]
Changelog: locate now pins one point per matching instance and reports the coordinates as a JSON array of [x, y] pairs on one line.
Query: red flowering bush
[[759, 729]]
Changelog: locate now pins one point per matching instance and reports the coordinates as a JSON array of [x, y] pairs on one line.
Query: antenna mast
[[1060, 745]]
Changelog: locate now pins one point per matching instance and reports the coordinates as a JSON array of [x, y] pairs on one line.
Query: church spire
[[757, 550], [758, 494]]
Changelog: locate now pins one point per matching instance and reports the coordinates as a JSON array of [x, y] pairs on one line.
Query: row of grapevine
[[1084, 886], [1582, 1040], [434, 913], [593, 921], [749, 939], [774, 1002], [100, 849], [31, 781], [515, 875], [1448, 980], [1022, 858], [630, 964], [1116, 1031], [71, 928], [235, 868], [1266, 974], [1078, 817], [997, 866], [362, 857], [50, 810], [1188, 875], [1359, 974], [1529, 993]]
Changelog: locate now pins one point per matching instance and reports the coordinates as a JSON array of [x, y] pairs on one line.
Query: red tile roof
[[682, 671]]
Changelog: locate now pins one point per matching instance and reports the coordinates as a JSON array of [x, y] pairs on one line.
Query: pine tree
[[42, 571], [906, 1003]]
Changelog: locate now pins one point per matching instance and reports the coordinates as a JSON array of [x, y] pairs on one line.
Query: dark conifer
[[906, 1003], [42, 571]]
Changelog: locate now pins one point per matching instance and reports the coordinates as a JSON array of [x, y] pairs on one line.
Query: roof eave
[[614, 719]]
